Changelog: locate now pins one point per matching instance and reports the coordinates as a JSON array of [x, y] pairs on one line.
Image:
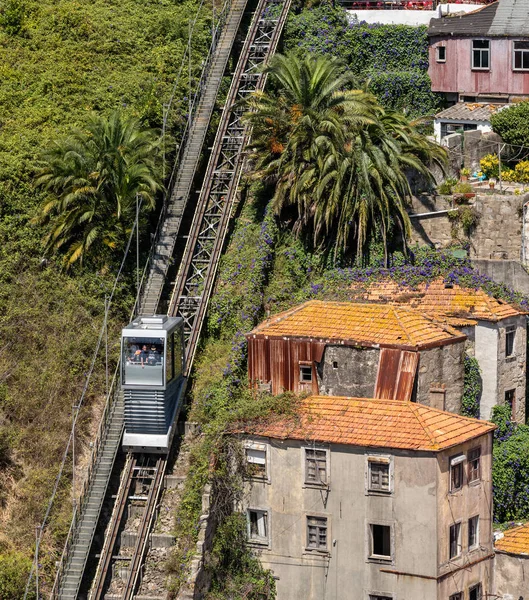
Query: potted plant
[[492, 183], [464, 174]]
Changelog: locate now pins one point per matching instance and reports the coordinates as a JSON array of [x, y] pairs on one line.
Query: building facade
[[511, 563], [333, 508], [362, 350]]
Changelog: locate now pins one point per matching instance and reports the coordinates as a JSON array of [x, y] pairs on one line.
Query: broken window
[[521, 56], [474, 465], [378, 476], [315, 466], [305, 373], [473, 532], [257, 525], [455, 540], [256, 461], [474, 593], [441, 53], [456, 472], [380, 542], [481, 54], [317, 533], [510, 332]]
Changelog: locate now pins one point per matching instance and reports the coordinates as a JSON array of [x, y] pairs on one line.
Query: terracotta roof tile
[[363, 324], [452, 305], [373, 423], [514, 541]]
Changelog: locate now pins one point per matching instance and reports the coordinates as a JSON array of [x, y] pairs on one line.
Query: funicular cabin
[[152, 355]]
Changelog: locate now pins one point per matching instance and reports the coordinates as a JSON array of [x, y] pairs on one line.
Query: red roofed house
[[496, 334], [361, 350], [511, 563], [369, 499]]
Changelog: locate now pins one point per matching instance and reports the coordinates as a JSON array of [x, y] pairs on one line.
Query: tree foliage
[[337, 158], [14, 570], [472, 388], [93, 178], [512, 124]]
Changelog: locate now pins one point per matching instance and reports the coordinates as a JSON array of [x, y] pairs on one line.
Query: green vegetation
[[94, 178], [473, 386], [510, 471], [61, 61], [337, 159], [512, 124], [13, 575], [391, 59]]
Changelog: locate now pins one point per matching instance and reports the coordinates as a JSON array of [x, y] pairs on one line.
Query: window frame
[[372, 459], [481, 51], [456, 596], [437, 53], [478, 587], [380, 558], [470, 470], [304, 364], [510, 339], [318, 549], [259, 447], [258, 540], [313, 483], [459, 542], [476, 543], [460, 458], [521, 51], [379, 596]]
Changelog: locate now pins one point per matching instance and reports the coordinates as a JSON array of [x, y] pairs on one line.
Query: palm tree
[[335, 154], [291, 128], [93, 178]]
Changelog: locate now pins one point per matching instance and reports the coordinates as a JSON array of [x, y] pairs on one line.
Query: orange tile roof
[[362, 324], [514, 541], [453, 304], [372, 423]]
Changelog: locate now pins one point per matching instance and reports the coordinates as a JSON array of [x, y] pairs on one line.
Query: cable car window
[[169, 363], [143, 360]]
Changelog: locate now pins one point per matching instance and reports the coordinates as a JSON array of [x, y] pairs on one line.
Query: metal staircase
[[75, 556], [193, 142], [210, 223]]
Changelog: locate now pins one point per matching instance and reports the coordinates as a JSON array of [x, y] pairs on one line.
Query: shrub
[[463, 188], [490, 166], [522, 172], [447, 187], [512, 124], [14, 571], [473, 385]]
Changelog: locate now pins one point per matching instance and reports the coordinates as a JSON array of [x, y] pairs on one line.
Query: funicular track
[[202, 252], [203, 249]]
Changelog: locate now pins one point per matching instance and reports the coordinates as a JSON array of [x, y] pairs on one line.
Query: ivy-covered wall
[[393, 59]]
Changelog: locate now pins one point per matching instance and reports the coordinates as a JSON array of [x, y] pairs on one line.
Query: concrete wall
[[511, 576], [497, 235], [456, 74], [486, 354], [474, 566], [408, 17], [509, 272], [344, 571], [444, 365], [355, 374]]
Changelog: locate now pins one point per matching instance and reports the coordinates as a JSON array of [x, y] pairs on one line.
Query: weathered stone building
[[511, 564], [368, 499], [496, 334], [362, 350]]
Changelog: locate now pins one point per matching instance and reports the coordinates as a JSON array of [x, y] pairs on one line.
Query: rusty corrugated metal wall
[[396, 374]]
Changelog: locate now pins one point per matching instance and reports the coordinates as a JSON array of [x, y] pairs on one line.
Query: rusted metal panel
[[396, 374]]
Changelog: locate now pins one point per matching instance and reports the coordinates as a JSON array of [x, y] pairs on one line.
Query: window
[[305, 373], [143, 361], [441, 53], [379, 597], [510, 332], [315, 466], [510, 400], [256, 461], [335, 364], [458, 596], [455, 540], [521, 56], [456, 472], [473, 532], [378, 476], [481, 54], [474, 465], [380, 542], [474, 593], [317, 533], [257, 525]]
